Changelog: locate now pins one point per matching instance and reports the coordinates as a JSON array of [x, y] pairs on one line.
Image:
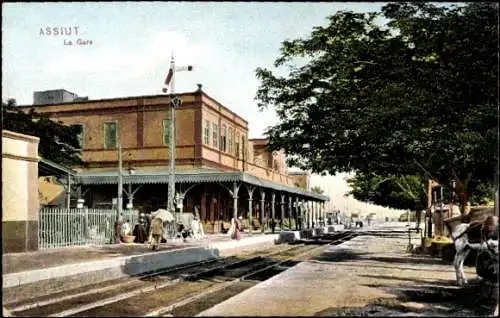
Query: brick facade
[[140, 131]]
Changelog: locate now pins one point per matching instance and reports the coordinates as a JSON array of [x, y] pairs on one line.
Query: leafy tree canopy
[[397, 192], [317, 189], [419, 93], [405, 192], [58, 142]]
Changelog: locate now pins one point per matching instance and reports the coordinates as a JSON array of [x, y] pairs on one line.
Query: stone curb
[[134, 264]]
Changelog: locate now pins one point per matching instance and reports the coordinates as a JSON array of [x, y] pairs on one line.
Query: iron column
[[119, 202]]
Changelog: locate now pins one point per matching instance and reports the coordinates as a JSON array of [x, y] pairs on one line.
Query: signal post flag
[[170, 75], [168, 79]]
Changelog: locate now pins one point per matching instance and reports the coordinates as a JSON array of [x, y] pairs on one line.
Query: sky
[[131, 46]]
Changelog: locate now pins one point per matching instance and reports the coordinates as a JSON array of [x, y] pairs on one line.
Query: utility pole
[[120, 183], [119, 203], [172, 145], [174, 102]]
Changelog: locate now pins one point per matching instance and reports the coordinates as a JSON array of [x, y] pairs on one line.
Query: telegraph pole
[[120, 183], [119, 203], [171, 150], [174, 102]]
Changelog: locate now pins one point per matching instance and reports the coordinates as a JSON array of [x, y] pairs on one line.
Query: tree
[[483, 194], [406, 192], [317, 189], [401, 192], [419, 94], [58, 142]]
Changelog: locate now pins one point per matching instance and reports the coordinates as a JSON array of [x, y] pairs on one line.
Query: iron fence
[[71, 227]]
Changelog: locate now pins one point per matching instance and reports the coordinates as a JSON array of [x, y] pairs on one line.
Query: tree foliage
[[419, 93], [58, 142], [397, 192], [317, 189]]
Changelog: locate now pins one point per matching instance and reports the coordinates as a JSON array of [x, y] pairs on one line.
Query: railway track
[[192, 286]]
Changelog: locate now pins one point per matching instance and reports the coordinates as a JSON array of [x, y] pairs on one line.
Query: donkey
[[465, 237]]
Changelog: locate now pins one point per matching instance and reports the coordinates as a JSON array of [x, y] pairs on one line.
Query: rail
[[171, 282], [167, 309], [123, 283]]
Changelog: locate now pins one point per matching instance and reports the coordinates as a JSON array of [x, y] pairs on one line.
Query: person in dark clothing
[[140, 232], [145, 220], [182, 231], [273, 225], [222, 229]]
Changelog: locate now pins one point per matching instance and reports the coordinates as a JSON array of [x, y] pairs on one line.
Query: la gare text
[[78, 42]]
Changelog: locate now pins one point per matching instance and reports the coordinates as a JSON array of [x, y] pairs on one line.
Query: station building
[[219, 170]]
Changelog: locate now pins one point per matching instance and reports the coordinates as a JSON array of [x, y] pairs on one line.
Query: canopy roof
[[50, 168], [190, 176]]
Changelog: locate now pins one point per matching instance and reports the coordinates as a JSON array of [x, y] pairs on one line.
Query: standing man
[[156, 232]]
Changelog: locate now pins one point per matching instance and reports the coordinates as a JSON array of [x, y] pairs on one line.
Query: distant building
[[56, 96]]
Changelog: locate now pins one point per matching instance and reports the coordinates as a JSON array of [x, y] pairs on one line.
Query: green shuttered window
[[166, 131], [111, 135]]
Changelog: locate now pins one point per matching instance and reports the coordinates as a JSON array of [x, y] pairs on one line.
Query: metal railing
[[72, 227]]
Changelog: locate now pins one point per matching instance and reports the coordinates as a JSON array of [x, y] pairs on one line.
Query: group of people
[[140, 231], [186, 227], [237, 227], [151, 230]]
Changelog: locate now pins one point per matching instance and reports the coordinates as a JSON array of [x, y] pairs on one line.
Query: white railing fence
[[70, 227]]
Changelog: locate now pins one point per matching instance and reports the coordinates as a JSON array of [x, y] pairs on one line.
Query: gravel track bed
[[139, 306]]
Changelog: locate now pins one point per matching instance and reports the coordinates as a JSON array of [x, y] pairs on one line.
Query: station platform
[[372, 274], [18, 262], [116, 260]]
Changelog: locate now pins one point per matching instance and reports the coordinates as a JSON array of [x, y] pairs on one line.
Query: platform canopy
[[189, 176], [50, 168]]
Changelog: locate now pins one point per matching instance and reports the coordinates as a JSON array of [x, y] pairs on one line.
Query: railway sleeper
[[239, 272], [214, 271]]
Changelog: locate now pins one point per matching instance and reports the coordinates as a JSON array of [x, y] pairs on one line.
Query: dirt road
[[370, 275]]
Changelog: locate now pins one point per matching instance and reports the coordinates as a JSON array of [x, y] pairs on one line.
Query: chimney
[[199, 87]]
